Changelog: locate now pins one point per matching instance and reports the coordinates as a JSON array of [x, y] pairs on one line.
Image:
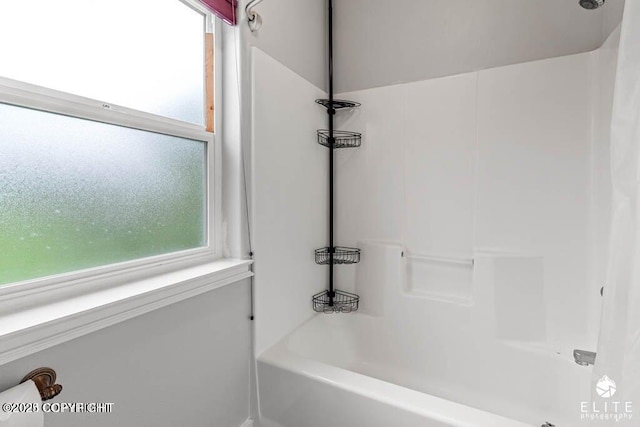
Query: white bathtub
[[406, 359], [318, 376], [300, 390]]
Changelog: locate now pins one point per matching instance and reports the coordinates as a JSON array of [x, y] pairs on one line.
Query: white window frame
[[35, 97]]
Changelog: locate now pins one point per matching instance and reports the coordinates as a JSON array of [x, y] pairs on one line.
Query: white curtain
[[619, 345]]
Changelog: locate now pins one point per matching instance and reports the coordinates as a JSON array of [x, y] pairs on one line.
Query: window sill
[[33, 329]]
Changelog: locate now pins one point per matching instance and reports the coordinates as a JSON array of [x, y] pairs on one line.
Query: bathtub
[[406, 359], [312, 380], [327, 372]]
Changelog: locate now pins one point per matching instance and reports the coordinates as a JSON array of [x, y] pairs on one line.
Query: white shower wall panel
[[290, 197], [533, 178], [439, 154], [497, 161]]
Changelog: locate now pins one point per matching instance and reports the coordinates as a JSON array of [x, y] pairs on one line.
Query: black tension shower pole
[[331, 112], [332, 300]]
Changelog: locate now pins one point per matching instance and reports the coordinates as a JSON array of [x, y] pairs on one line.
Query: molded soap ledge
[[440, 278]]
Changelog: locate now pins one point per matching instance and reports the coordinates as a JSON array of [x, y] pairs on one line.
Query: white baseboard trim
[[248, 423]]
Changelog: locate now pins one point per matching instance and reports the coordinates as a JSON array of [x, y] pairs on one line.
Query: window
[[147, 55], [106, 143]]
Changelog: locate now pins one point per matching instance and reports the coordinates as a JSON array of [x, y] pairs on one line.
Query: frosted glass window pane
[[76, 194], [142, 54]]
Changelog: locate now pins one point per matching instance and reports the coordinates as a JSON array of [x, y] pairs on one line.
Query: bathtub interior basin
[[442, 361]]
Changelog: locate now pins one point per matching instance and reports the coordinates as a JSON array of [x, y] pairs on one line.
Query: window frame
[[22, 94]]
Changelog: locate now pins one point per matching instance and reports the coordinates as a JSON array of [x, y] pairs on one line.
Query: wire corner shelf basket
[[337, 104], [341, 138], [342, 302], [341, 255]]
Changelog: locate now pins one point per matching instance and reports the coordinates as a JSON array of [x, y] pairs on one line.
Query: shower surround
[[497, 161], [480, 202]]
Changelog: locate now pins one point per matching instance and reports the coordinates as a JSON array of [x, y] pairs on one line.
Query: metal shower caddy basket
[[333, 300]]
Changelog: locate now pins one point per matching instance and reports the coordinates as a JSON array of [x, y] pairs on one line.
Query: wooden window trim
[[209, 81]]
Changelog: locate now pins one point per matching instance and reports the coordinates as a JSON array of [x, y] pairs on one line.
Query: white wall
[[613, 17], [184, 365], [294, 33], [604, 67], [508, 167], [381, 43], [278, 120], [492, 162], [290, 197], [534, 179]]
